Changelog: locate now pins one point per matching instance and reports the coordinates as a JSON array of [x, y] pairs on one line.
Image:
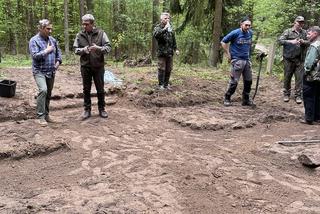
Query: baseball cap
[[299, 19]]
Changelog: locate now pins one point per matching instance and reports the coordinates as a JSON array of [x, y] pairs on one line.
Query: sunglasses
[[247, 25]]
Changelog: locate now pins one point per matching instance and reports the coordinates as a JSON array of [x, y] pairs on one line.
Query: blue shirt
[[43, 62], [240, 43]]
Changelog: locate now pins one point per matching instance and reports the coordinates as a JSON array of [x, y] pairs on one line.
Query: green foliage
[[129, 26]]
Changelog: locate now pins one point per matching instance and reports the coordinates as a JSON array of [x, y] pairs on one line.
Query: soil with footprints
[[174, 151]]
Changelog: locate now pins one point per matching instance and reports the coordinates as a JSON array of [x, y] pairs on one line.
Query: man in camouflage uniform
[[167, 45], [311, 78], [294, 42]]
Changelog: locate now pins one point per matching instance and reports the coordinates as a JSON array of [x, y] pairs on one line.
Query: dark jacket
[[166, 41], [93, 59], [292, 51]]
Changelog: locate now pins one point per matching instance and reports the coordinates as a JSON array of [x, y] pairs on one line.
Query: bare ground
[[177, 151]]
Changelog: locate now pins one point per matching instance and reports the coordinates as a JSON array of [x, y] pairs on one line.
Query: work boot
[[86, 114], [307, 122], [227, 97], [103, 114], [248, 102], [50, 119], [168, 87], [161, 87], [286, 98], [227, 100], [42, 122], [298, 100]]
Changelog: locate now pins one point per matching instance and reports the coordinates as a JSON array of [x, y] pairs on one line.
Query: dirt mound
[[18, 143]]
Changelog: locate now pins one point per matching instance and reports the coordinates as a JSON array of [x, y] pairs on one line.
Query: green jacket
[[166, 41], [93, 59], [291, 51], [311, 63]]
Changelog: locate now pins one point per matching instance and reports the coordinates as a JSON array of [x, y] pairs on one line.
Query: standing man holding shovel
[[238, 54]]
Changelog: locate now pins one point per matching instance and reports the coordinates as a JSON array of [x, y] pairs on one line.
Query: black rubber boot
[[227, 97], [161, 76], [166, 79], [246, 101]]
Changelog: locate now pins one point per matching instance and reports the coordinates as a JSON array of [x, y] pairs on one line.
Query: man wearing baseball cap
[[294, 42]]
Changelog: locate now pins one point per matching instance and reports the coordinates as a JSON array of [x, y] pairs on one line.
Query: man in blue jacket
[[238, 54]]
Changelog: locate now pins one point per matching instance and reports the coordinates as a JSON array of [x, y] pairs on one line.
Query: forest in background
[[199, 24]]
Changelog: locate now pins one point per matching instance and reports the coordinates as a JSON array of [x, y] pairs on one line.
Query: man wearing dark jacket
[[294, 42], [91, 44], [165, 37]]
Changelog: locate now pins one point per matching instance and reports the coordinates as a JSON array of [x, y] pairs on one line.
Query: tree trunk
[[45, 12], [66, 28], [12, 30], [90, 6], [155, 20], [166, 6], [81, 9], [215, 49]]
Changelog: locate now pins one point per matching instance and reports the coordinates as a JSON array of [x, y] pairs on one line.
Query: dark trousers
[[311, 100], [97, 74], [292, 67], [165, 65]]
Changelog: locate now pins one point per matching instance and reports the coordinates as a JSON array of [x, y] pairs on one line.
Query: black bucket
[[7, 88]]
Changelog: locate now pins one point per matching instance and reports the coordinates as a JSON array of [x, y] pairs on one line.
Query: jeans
[[97, 74], [45, 86]]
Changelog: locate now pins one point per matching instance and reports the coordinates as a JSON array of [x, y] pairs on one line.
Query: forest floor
[[178, 151]]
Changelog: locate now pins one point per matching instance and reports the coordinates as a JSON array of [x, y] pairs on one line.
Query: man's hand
[[56, 66], [295, 41], [177, 52], [167, 25], [86, 50], [49, 48], [94, 47]]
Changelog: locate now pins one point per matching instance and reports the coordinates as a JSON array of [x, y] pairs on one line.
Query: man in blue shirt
[[46, 58], [238, 54]]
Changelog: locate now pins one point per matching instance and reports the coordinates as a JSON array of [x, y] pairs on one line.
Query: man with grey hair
[[311, 78], [167, 46], [92, 44], [46, 58]]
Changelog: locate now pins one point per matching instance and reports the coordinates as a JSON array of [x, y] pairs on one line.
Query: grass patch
[[205, 73], [8, 61]]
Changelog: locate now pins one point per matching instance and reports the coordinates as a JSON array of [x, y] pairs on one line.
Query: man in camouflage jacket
[[167, 45], [294, 42]]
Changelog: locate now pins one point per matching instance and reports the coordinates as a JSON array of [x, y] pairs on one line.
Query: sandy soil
[[178, 151]]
